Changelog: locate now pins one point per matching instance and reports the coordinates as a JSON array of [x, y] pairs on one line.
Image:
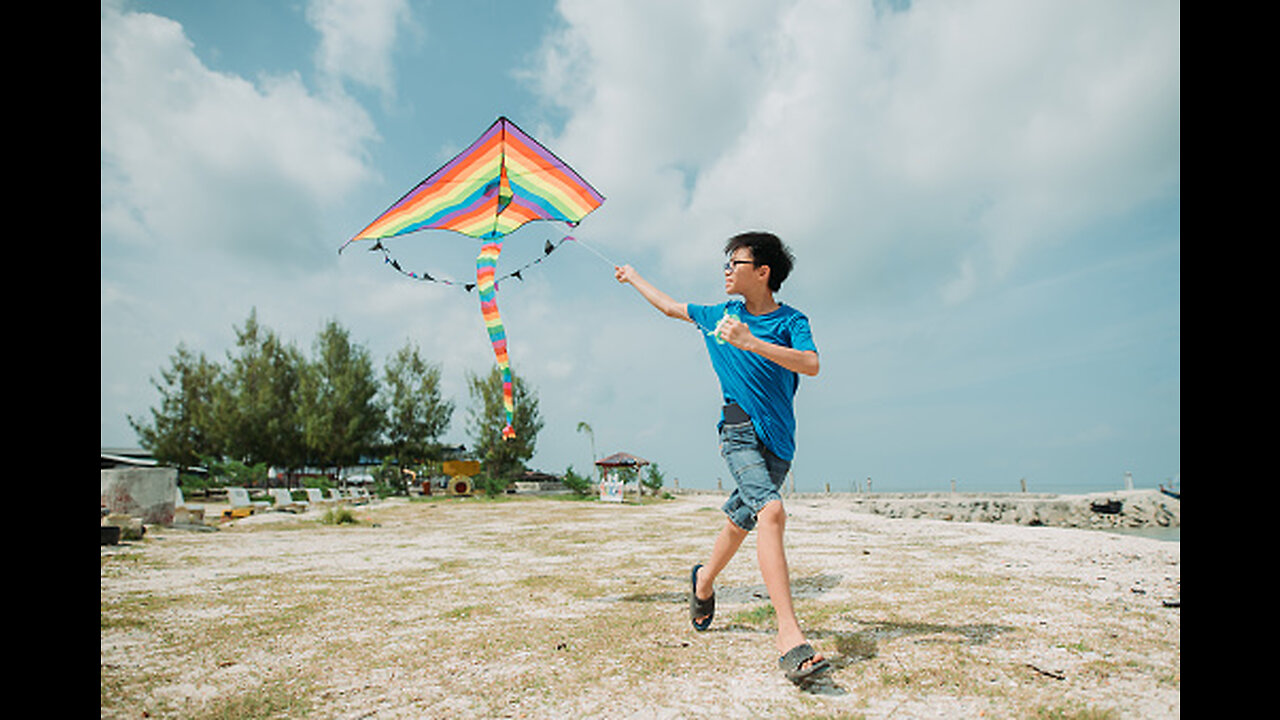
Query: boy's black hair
[[766, 249]]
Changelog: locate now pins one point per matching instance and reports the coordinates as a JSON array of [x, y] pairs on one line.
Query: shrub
[[338, 516], [492, 486], [653, 479], [578, 484]]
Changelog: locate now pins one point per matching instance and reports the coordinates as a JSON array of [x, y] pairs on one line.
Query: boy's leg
[[725, 547], [777, 579], [759, 474]]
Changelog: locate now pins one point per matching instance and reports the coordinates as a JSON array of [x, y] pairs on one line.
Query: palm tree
[[590, 433]]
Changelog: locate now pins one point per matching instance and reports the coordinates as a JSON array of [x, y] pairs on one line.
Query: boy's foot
[[802, 665], [701, 610]]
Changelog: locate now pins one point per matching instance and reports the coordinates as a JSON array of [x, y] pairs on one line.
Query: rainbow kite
[[502, 181]]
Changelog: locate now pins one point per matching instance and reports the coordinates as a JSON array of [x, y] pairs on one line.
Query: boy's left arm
[[737, 334]]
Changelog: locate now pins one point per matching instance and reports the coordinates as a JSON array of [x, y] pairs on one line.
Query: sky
[[983, 197]]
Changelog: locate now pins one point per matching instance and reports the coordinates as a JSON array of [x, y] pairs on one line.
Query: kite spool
[[715, 333]]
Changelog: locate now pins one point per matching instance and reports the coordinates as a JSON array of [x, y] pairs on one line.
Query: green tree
[[338, 400], [237, 474], [258, 414], [653, 479], [416, 413], [184, 428], [579, 484], [502, 459]]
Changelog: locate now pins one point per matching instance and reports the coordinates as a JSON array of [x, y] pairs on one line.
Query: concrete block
[[144, 493]]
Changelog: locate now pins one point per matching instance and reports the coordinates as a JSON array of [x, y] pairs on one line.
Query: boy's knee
[[772, 514]]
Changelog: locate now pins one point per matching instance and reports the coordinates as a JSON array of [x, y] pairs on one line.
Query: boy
[[757, 346]]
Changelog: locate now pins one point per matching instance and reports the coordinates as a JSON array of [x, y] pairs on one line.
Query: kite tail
[[486, 269]]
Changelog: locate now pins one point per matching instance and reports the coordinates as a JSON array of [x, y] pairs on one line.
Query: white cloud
[[197, 158], [357, 38], [964, 133]]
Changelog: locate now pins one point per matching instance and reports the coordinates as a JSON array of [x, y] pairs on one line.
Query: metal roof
[[622, 459]]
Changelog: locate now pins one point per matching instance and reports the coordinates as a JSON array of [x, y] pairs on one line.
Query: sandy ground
[[549, 608]]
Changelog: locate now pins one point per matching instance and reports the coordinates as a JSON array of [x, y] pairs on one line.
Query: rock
[[131, 528], [1133, 508]]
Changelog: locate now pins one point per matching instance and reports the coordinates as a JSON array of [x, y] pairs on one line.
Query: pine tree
[[502, 459]]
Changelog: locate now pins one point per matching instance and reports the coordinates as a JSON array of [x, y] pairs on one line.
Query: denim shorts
[[757, 471]]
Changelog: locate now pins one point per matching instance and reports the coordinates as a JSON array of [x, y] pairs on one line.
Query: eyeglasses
[[729, 266]]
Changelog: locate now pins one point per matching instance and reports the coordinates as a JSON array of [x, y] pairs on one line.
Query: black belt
[[734, 415]]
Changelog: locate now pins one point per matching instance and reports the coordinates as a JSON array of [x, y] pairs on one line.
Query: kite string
[[711, 332], [592, 249], [387, 259]]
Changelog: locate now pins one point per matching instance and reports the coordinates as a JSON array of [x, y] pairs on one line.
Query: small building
[[533, 482], [113, 457], [621, 459], [612, 484]]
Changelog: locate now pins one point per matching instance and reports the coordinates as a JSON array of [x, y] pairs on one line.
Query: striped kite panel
[[502, 181]]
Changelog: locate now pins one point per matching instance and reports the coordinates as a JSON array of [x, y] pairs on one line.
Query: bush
[[338, 516], [320, 483], [192, 483], [653, 479], [578, 484], [492, 486], [389, 480]]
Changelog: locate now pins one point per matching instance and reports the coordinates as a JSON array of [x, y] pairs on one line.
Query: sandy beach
[[553, 608]]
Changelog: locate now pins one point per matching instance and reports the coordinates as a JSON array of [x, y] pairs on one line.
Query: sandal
[[698, 608], [796, 657]]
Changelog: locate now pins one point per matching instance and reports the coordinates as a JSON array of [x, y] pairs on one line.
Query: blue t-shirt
[[762, 388]]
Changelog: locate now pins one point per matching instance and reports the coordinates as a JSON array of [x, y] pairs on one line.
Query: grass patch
[[137, 611], [855, 646], [581, 587], [338, 516], [467, 612], [541, 582], [278, 698], [116, 564], [756, 616], [984, 581], [1075, 713]]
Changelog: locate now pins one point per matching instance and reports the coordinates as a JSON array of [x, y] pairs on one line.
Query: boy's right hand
[[628, 276]]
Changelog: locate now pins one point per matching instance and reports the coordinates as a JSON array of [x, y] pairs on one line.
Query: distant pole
[[868, 483], [1024, 484], [953, 485], [1128, 480]]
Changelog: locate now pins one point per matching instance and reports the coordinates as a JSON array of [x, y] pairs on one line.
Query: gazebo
[[620, 460]]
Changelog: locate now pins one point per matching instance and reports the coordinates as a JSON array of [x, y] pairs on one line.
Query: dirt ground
[[554, 608]]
